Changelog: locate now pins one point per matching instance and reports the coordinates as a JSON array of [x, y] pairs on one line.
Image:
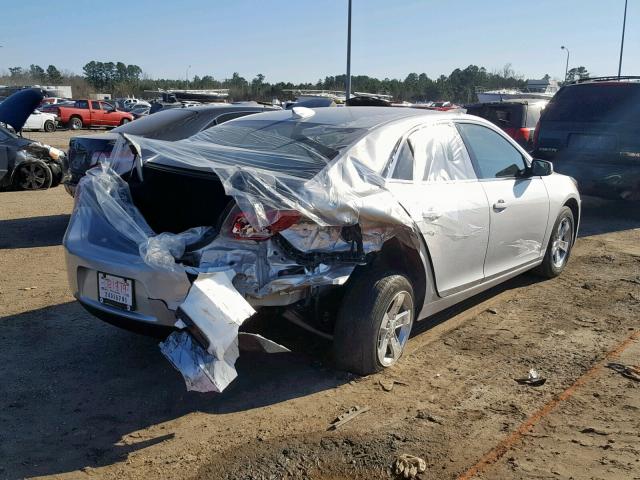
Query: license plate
[[116, 291]]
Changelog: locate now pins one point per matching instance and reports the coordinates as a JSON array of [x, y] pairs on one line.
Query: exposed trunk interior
[[174, 200]]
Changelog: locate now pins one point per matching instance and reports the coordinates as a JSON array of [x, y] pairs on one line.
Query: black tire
[[357, 334], [33, 176], [49, 126], [550, 267], [75, 123], [124, 121], [56, 174]]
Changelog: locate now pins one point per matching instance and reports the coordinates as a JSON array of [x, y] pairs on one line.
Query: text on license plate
[[116, 291]]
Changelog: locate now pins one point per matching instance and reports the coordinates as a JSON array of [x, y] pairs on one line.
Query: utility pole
[[348, 82], [566, 68], [624, 24], [188, 75]]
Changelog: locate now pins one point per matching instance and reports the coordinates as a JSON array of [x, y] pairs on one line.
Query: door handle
[[500, 205]]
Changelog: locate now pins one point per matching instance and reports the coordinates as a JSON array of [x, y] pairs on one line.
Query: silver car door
[[519, 204], [433, 178]]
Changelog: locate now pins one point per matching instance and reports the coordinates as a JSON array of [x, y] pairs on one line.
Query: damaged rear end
[[203, 232]]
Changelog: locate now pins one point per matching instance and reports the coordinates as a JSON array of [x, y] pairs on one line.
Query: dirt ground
[[80, 398]]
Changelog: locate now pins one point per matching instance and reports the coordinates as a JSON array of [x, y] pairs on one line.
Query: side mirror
[[540, 168]]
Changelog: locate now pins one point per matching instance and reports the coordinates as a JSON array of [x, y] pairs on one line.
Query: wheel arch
[[403, 256], [572, 203]]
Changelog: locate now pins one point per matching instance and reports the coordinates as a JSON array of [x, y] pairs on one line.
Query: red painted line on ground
[[503, 447]]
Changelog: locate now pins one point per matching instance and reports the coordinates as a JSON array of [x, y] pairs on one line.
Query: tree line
[[120, 79]]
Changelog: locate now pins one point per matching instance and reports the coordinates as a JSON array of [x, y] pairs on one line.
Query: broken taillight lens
[[279, 220]]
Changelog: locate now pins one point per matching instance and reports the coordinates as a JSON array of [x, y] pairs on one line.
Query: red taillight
[[522, 134], [279, 220]]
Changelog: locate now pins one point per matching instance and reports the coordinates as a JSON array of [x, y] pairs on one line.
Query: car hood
[[15, 110]]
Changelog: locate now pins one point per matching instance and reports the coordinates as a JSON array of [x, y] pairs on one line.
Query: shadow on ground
[[69, 396], [32, 232]]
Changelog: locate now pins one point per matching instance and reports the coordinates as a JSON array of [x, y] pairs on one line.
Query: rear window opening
[[595, 103]]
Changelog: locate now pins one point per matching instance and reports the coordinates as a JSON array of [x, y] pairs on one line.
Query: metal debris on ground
[[347, 416], [533, 379], [409, 465], [626, 371]]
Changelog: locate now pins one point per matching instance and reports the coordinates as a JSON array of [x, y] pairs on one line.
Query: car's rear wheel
[[560, 245], [49, 126], [34, 176], [75, 123], [374, 322]]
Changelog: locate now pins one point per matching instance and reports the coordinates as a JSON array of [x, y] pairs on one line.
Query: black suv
[[591, 131], [518, 118]]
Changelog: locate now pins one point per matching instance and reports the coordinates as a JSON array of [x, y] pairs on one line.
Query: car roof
[[355, 117]]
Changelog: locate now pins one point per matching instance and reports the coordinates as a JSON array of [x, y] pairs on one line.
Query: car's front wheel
[[374, 322], [560, 244], [34, 176]]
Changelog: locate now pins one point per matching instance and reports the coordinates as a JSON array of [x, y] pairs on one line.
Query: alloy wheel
[[395, 328], [33, 176], [561, 243]]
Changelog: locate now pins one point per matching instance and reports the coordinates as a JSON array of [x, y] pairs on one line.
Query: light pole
[[348, 82], [566, 68], [624, 24], [188, 75]]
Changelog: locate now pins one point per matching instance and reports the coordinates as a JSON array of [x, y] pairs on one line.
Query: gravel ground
[[82, 398]]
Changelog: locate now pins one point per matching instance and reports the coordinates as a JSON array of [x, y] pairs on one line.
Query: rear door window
[[594, 103]]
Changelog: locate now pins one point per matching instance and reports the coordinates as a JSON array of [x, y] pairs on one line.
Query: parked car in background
[[373, 216], [591, 131], [88, 113], [139, 111], [41, 121], [173, 124], [130, 103], [516, 117], [26, 164]]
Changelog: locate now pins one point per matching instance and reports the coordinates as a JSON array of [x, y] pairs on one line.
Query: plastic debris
[[212, 313], [347, 416], [534, 379], [409, 465]]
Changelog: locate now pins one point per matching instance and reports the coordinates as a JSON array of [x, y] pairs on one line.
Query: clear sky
[[303, 40]]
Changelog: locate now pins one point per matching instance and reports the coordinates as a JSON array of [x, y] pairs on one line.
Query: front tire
[[560, 245], [374, 322], [49, 126], [34, 176]]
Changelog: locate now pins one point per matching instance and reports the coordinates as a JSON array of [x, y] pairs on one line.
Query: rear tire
[[373, 322], [75, 123], [49, 126], [560, 245]]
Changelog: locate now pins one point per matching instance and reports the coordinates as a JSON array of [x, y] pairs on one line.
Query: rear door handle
[[500, 205]]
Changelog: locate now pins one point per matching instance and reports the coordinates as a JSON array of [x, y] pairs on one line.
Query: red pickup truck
[[88, 113]]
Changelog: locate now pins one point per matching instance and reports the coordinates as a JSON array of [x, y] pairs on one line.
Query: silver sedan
[[356, 221]]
